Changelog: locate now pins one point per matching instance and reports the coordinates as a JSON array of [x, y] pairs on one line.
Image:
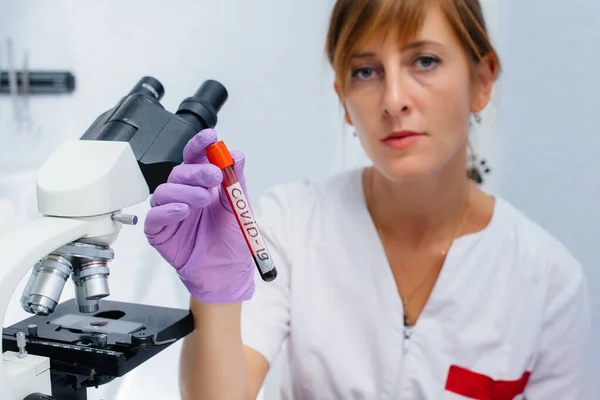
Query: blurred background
[[539, 136]]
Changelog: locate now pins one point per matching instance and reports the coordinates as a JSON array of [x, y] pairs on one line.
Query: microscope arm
[[40, 237], [81, 188]]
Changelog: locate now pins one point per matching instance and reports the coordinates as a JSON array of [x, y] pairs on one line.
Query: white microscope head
[[86, 178]]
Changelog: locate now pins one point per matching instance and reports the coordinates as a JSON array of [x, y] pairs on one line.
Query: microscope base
[[89, 350], [26, 375]]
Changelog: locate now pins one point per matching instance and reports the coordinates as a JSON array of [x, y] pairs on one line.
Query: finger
[[193, 152], [202, 175], [195, 197], [161, 216]]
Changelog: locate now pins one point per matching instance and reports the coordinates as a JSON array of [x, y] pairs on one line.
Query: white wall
[[548, 133]]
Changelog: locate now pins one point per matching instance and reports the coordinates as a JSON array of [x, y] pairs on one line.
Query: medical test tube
[[219, 155]]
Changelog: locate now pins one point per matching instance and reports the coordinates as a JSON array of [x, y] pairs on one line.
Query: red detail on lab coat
[[477, 386]]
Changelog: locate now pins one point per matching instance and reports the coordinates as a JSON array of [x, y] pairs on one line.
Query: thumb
[[239, 162]]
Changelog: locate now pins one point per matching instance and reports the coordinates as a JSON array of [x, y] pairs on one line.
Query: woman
[[398, 281]]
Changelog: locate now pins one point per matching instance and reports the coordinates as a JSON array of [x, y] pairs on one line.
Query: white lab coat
[[508, 317]]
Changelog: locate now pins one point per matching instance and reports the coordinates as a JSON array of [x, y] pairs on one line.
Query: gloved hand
[[192, 226]]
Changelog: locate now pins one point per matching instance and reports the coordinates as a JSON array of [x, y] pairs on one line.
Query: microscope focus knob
[[125, 219]]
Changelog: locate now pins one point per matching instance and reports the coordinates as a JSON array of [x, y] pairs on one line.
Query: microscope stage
[[92, 349]]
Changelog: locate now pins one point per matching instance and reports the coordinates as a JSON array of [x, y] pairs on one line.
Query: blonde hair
[[354, 22]]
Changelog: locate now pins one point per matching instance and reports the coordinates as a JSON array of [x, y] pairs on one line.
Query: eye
[[427, 62], [363, 73]]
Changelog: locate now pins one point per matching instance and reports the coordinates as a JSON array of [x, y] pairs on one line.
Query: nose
[[395, 96]]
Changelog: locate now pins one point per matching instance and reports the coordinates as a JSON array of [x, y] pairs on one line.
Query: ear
[[336, 87], [347, 117], [486, 73]]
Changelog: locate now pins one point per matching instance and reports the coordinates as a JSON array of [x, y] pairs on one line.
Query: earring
[[353, 133], [477, 117], [475, 169]]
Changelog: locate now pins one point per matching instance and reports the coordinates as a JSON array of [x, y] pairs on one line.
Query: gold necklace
[[405, 299]]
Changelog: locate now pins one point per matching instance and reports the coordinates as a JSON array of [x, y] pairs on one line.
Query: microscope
[[82, 188]]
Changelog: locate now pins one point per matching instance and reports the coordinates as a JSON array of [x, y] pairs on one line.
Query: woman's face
[[411, 103]]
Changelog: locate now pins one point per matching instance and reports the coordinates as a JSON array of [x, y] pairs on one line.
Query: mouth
[[402, 139]]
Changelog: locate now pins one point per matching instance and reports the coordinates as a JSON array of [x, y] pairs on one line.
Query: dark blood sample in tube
[[219, 155]]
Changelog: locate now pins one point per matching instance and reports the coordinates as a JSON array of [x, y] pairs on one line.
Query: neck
[[419, 212]]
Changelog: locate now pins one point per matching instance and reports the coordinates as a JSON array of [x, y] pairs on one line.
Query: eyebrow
[[420, 43], [409, 46]]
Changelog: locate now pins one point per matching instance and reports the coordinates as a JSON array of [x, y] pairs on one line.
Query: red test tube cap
[[218, 154]]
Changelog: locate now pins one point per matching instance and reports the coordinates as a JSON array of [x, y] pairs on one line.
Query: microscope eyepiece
[[157, 136], [149, 86], [200, 110], [213, 93]]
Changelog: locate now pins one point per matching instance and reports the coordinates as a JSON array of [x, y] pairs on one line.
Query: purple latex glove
[[192, 226]]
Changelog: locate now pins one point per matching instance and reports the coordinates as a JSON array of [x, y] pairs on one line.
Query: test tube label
[[250, 228]]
